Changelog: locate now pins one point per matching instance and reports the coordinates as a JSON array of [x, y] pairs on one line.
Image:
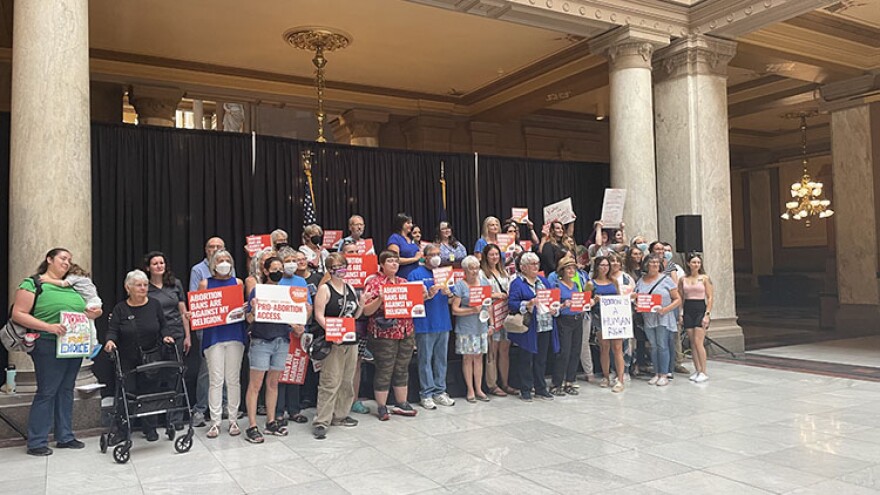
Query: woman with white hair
[[312, 238], [471, 328], [137, 329], [278, 238], [223, 348]]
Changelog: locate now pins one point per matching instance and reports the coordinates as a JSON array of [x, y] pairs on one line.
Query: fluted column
[[629, 51]]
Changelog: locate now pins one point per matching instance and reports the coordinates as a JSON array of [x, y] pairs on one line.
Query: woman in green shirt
[[55, 376]]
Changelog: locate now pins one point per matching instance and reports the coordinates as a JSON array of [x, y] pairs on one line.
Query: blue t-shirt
[[296, 281], [565, 295], [437, 317], [663, 287], [481, 243], [223, 333], [408, 249]]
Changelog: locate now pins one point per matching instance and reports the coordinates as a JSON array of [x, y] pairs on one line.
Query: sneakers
[[39, 451], [670, 376], [319, 432], [198, 419], [618, 387], [214, 431], [403, 409], [605, 383], [693, 377], [702, 377], [444, 400], [428, 403], [253, 435], [359, 407], [234, 430], [151, 434], [368, 356], [654, 380], [662, 382], [275, 428], [347, 421], [544, 394], [71, 444], [526, 396], [382, 413]]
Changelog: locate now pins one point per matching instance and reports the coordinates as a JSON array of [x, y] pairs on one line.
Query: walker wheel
[[121, 453], [183, 444]]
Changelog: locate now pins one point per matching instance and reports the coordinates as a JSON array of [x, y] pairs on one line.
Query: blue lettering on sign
[[75, 348]]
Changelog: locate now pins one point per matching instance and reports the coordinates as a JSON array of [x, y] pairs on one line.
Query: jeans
[[674, 350], [432, 351], [659, 339], [586, 350], [54, 397], [202, 384], [571, 333], [288, 399]]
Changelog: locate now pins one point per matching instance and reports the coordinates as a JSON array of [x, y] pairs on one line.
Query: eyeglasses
[[337, 267]]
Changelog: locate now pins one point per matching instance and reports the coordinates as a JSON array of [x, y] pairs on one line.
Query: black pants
[[528, 370], [288, 399], [571, 335]]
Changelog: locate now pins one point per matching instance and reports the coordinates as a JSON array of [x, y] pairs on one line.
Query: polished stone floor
[[747, 430], [862, 351]]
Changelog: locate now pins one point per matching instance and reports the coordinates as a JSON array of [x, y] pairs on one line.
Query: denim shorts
[[267, 355]]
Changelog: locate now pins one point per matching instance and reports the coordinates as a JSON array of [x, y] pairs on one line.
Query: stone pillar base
[[726, 332], [857, 317], [16, 407]]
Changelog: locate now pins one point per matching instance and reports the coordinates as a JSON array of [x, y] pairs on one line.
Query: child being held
[[82, 283]]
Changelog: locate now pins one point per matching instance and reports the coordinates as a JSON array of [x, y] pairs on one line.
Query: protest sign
[[77, 342], [548, 298], [580, 301], [281, 304], [519, 215], [404, 300], [561, 211], [360, 266], [331, 238], [340, 330], [648, 303], [213, 307], [500, 311], [612, 207], [526, 245], [477, 295], [616, 317], [506, 242], [296, 365], [443, 275], [365, 246], [256, 243]]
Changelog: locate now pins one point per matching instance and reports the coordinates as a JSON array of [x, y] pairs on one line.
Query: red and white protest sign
[[457, 274], [526, 245], [548, 297], [281, 304], [365, 246], [580, 301], [331, 237], [478, 294], [213, 307], [500, 310], [506, 242], [339, 330], [404, 300], [519, 215], [648, 303], [296, 365], [443, 276], [360, 266], [255, 243]]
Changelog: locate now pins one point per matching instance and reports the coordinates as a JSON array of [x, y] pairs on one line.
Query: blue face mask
[[668, 255], [643, 247]]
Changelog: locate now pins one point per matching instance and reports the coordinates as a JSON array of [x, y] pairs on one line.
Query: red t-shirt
[[402, 327]]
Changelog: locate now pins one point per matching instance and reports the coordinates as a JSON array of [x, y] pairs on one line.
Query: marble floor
[[747, 430], [863, 351]]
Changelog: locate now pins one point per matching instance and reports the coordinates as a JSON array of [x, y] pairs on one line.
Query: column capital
[[359, 126], [695, 54], [628, 47], [155, 105], [852, 92]]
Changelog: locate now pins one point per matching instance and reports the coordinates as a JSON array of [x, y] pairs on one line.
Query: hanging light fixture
[[318, 40], [806, 195]]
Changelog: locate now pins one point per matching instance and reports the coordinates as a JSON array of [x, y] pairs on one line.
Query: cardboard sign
[[256, 243], [339, 330], [519, 215], [477, 295], [612, 207], [76, 343], [506, 242], [404, 300], [213, 307], [547, 298], [365, 246], [561, 211], [281, 304], [331, 238], [616, 317], [360, 266], [580, 301], [500, 310], [296, 365], [443, 276], [649, 303]]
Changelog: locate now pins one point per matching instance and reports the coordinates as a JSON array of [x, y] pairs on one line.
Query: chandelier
[[318, 40], [806, 195]]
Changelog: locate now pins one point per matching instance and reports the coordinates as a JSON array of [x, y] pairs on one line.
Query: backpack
[[12, 335]]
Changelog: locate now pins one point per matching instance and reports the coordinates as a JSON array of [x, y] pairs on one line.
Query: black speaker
[[689, 233]]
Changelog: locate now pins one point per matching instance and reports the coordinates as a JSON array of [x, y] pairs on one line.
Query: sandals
[[299, 418], [570, 389], [213, 431], [234, 430], [510, 390], [557, 391], [498, 392], [483, 398], [253, 435], [472, 400]]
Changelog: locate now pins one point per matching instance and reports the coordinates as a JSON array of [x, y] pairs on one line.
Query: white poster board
[[281, 304], [561, 211], [617, 318], [612, 207]]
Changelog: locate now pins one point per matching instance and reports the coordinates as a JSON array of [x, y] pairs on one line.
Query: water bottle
[[10, 379]]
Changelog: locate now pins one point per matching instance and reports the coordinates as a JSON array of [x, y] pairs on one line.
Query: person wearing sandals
[[223, 348], [528, 351], [498, 357], [659, 324], [698, 293], [267, 356], [570, 326], [336, 299], [432, 332], [391, 340], [471, 328], [604, 285]]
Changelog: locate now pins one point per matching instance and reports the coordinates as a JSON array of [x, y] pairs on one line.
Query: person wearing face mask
[[312, 238], [663, 251], [432, 332], [255, 270], [223, 348], [309, 389], [278, 238]]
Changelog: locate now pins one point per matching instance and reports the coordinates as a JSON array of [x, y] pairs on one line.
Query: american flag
[[309, 215]]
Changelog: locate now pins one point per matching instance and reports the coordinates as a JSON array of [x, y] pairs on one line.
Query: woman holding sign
[[39, 307], [606, 286], [659, 322], [570, 326], [471, 326], [336, 300], [498, 358]]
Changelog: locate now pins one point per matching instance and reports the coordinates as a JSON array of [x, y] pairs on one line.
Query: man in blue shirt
[[432, 332]]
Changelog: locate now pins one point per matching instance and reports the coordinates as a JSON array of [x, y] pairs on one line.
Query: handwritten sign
[[365, 246], [616, 317], [580, 301], [648, 303], [296, 365], [281, 304], [477, 295], [519, 215], [404, 300], [213, 307], [612, 207], [77, 342], [340, 330], [500, 310], [256, 243], [331, 238], [360, 267], [561, 211]]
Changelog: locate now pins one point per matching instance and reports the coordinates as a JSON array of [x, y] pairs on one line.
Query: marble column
[[629, 52], [359, 127], [693, 161], [155, 105], [855, 150], [761, 219], [50, 189], [198, 114]]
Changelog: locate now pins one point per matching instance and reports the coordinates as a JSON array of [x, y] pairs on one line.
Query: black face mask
[[275, 276], [281, 245], [316, 239]]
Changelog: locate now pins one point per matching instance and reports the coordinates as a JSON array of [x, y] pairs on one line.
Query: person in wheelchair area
[[137, 330]]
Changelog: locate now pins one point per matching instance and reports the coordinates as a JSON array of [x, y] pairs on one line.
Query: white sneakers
[[428, 403], [444, 400], [653, 380], [663, 381], [694, 376], [701, 377]]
